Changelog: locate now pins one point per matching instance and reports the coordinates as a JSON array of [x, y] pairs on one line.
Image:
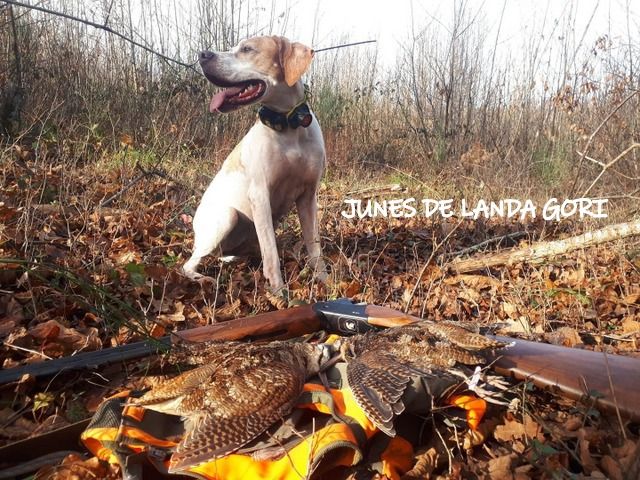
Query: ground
[[74, 277]]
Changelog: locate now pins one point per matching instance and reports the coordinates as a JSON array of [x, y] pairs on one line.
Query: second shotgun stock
[[612, 382]]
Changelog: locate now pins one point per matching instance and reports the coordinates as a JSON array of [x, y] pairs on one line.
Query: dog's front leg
[[261, 209], [307, 205]]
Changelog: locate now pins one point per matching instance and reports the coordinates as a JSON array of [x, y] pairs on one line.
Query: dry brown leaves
[[74, 467], [126, 257]]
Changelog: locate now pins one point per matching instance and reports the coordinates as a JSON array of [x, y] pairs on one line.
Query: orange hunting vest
[[337, 432]]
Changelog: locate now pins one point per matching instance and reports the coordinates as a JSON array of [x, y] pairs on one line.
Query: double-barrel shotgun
[[611, 382]]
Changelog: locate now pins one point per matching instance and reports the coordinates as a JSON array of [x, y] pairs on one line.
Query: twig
[[16, 49], [595, 132], [609, 165], [478, 246], [613, 395], [28, 350], [126, 188], [597, 162], [144, 174], [426, 264], [106, 29]]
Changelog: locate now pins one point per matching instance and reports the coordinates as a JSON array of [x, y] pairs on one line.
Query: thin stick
[[595, 132], [102, 27], [613, 395], [17, 347], [316, 50], [435, 249], [608, 165]]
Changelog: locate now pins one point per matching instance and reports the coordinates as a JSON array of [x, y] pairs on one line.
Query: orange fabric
[[344, 403], [123, 394], [95, 438], [145, 438], [475, 407], [293, 466], [397, 458], [132, 411]]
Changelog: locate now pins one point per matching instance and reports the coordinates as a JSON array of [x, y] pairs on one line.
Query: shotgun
[[612, 382], [336, 316]]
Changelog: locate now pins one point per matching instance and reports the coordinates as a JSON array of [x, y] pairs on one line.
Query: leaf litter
[[81, 278]]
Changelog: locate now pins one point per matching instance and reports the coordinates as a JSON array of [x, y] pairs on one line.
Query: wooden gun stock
[[278, 325], [612, 381]]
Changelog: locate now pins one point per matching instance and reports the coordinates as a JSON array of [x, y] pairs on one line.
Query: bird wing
[[378, 381], [461, 337], [175, 387], [237, 406]]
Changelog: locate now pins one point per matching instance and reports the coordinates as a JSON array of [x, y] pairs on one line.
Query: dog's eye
[[246, 49]]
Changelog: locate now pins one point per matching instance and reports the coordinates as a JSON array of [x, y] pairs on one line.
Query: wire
[[344, 45]]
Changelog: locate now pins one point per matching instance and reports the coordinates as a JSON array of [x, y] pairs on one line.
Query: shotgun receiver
[[612, 381]]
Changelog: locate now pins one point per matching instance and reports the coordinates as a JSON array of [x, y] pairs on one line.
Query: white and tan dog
[[277, 164]]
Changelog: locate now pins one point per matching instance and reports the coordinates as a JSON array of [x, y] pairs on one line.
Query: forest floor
[[74, 277]]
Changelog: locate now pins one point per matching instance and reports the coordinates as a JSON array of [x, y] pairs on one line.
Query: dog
[[278, 163]]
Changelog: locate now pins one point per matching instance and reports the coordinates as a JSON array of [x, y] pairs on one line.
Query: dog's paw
[[197, 277], [319, 270]]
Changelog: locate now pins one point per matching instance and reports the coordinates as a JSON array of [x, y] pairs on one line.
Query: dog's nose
[[206, 55]]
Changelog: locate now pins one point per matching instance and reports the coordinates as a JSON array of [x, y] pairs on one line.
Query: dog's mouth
[[237, 96]]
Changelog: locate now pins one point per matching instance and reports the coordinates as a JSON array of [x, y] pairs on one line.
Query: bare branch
[[595, 132], [609, 165], [106, 29]]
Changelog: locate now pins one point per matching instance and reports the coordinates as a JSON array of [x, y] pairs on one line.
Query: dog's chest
[[296, 156]]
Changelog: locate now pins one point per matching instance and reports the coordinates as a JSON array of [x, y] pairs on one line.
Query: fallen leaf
[[74, 467], [629, 325], [513, 429], [59, 340], [588, 463], [501, 468], [353, 289], [564, 336], [171, 319], [229, 310], [42, 400], [510, 309]]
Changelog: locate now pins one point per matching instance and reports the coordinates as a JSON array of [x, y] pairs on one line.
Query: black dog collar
[[298, 116]]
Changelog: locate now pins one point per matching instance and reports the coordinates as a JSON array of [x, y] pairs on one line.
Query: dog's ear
[[295, 59]]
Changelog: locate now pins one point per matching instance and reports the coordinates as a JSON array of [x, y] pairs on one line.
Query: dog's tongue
[[220, 97]]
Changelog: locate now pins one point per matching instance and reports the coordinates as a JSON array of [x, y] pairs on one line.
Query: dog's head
[[259, 69]]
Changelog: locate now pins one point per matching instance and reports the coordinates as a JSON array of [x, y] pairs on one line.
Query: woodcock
[[239, 390], [237, 393], [382, 365]]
